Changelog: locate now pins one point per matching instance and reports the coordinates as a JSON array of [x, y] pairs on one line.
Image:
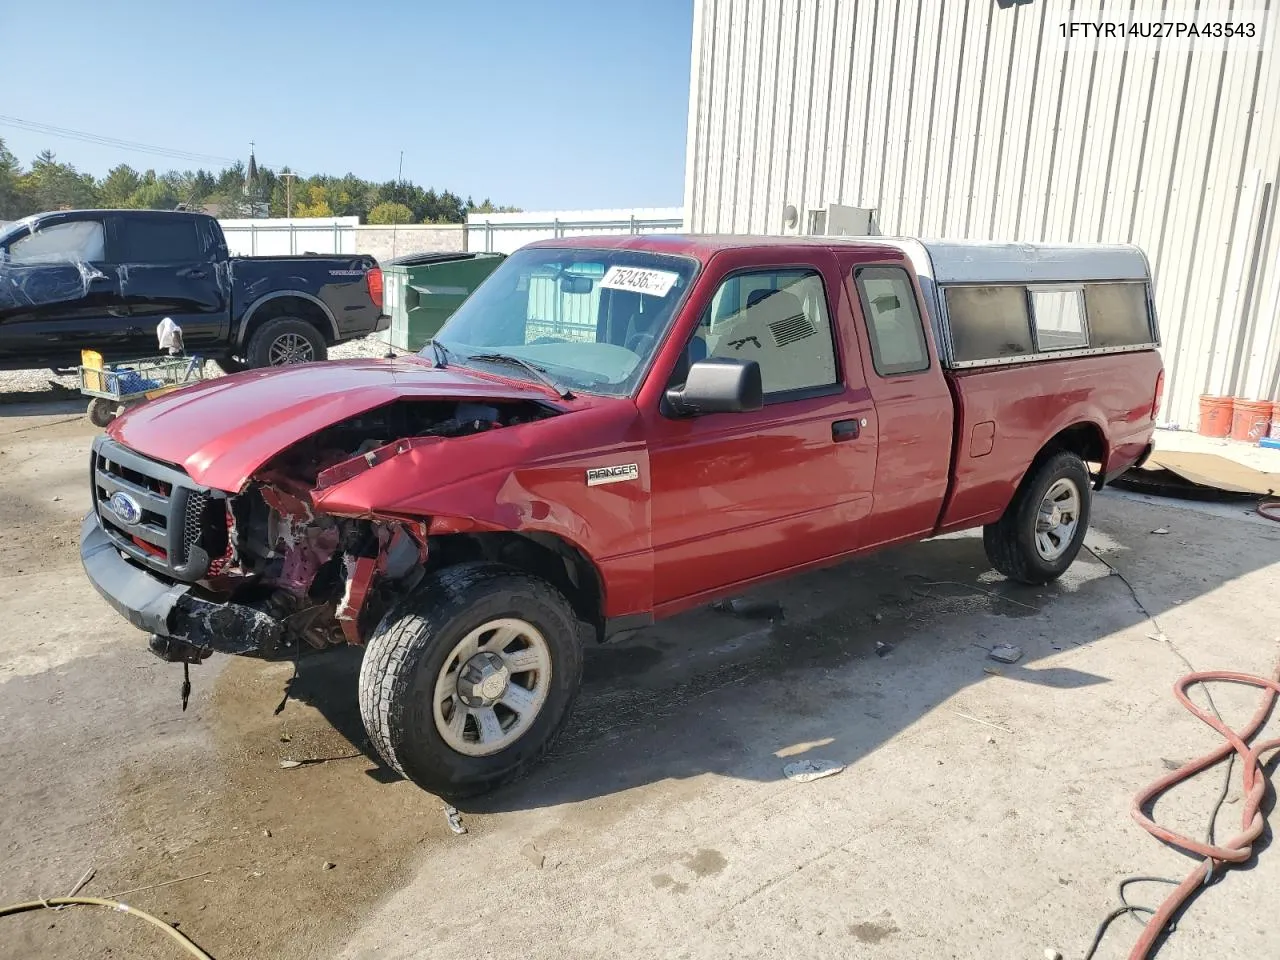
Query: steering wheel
[[640, 343]]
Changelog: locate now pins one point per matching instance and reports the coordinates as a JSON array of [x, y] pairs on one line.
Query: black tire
[[232, 364], [1011, 541], [409, 649], [101, 412], [267, 342]]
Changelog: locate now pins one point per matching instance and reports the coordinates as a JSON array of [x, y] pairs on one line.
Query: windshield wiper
[[507, 358], [440, 353]]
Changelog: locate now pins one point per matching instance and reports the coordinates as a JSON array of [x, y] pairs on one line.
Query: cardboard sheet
[[1211, 470]]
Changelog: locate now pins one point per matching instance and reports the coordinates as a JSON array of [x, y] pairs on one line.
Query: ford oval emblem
[[125, 507]]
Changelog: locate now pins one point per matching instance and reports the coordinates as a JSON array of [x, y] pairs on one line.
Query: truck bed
[[1017, 406]]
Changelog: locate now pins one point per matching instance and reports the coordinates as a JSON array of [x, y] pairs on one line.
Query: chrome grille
[[164, 524]]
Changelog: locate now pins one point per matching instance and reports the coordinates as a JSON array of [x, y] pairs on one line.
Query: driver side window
[[779, 319], [79, 240]]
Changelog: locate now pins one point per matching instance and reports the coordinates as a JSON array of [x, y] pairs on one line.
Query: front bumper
[[172, 610]]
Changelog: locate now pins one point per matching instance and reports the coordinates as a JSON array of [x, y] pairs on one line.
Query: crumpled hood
[[222, 430]]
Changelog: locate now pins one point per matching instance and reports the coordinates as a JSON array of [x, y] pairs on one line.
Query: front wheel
[[1043, 529], [466, 685]]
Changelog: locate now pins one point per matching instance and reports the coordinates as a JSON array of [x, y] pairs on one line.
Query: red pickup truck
[[611, 431]]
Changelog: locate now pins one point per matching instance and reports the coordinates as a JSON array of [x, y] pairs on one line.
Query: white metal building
[[981, 120]]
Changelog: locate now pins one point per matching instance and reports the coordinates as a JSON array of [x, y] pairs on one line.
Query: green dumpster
[[422, 290]]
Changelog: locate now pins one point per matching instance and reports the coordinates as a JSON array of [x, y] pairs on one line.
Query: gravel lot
[[27, 386]]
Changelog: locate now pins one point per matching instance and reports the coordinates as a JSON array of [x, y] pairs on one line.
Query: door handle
[[193, 274], [846, 430]]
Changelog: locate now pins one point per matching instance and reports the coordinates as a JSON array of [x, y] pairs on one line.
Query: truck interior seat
[[777, 331], [643, 324]]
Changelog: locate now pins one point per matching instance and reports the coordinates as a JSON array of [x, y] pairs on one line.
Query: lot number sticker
[[655, 283]]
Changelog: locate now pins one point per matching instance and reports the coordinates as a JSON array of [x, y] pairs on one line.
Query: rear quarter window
[[893, 320], [159, 240]]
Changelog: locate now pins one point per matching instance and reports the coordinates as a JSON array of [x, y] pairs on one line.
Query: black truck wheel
[[466, 684], [285, 340], [1044, 526]]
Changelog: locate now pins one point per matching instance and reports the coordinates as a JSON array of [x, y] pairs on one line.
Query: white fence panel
[[290, 237]]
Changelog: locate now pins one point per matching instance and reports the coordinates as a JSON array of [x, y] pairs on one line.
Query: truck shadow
[[41, 401], [862, 652]]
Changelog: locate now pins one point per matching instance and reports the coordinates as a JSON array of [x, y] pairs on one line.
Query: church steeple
[[251, 178]]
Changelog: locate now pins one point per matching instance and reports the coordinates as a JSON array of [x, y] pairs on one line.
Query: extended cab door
[[59, 293], [738, 497], [915, 409], [173, 268]]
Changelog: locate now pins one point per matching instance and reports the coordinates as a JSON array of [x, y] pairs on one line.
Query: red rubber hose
[[1240, 847]]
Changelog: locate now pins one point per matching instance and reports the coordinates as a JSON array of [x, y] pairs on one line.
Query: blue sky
[[538, 103]]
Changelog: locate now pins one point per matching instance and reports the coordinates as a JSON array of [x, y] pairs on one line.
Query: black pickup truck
[[104, 279]]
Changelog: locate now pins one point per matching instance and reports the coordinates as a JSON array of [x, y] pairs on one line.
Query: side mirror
[[718, 385]]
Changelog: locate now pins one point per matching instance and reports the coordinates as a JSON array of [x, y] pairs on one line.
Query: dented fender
[[516, 479]]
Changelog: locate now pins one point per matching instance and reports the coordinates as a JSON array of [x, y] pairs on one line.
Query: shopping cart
[[115, 386]]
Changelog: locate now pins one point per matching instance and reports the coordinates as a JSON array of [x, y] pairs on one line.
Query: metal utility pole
[[288, 179], [395, 224]]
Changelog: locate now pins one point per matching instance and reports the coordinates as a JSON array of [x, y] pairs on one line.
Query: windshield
[[591, 319]]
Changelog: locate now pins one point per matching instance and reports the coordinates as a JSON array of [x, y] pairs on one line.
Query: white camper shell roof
[[965, 261], [1032, 267]]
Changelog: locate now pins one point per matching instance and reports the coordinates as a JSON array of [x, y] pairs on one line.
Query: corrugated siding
[[968, 120]]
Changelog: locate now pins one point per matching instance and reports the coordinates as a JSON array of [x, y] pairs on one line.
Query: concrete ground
[[983, 811]]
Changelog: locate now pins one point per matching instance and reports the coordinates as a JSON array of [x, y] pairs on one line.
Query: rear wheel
[[466, 685], [283, 341], [1043, 529]]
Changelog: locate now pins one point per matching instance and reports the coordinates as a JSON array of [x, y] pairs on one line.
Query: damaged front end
[[280, 575]]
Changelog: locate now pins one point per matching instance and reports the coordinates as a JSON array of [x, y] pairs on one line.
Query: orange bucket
[[1250, 420], [1215, 416]]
